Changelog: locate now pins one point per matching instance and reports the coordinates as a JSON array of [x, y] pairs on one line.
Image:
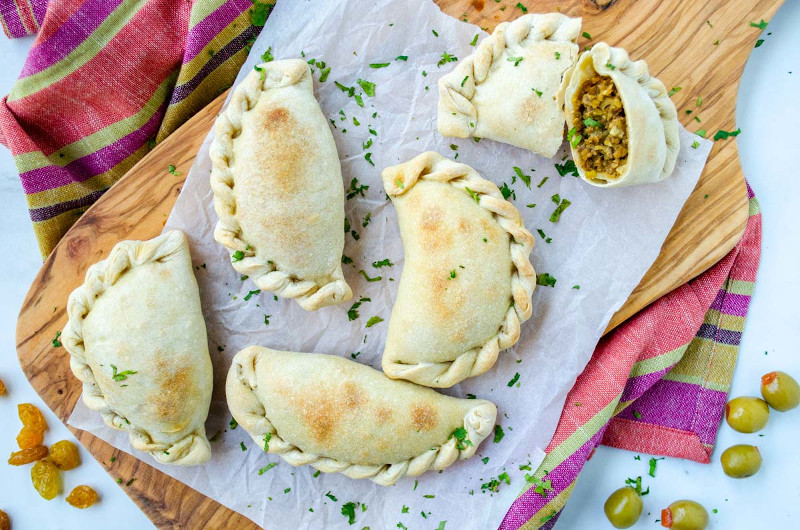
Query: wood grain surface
[[699, 45]]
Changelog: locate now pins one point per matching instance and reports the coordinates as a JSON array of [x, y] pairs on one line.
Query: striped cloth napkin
[[106, 79]]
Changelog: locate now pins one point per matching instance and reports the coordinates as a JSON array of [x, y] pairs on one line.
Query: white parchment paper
[[604, 243]]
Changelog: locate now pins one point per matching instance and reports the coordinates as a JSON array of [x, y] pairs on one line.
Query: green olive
[[684, 515], [747, 414], [780, 390], [623, 507], [741, 461]]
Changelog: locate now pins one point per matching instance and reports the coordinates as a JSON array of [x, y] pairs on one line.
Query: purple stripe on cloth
[[724, 336], [48, 212], [201, 34], [69, 35], [8, 10], [49, 177], [39, 9], [561, 477], [183, 91], [636, 386], [733, 304], [669, 404]]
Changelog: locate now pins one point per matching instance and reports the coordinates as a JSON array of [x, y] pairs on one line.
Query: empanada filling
[[599, 131]]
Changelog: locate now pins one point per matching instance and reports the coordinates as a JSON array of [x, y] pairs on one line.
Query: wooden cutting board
[[699, 45]]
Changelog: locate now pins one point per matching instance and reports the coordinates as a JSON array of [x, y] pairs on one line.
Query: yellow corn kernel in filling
[[600, 131]]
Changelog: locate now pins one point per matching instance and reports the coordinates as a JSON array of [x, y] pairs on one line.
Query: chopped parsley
[[474, 40], [674, 90], [538, 92], [507, 192], [514, 380], [261, 71], [352, 313], [267, 438], [653, 464], [558, 55], [435, 33], [243, 446], [366, 276], [541, 182], [382, 263], [266, 468], [567, 167], [573, 137], [368, 158], [637, 414], [545, 279], [695, 144], [267, 55], [237, 256], [464, 80], [589, 122], [120, 376], [472, 194], [637, 485], [346, 259], [515, 60], [498, 434], [701, 132], [324, 73], [233, 423], [462, 442], [401, 58], [56, 343], [610, 66], [378, 65], [562, 205], [259, 13], [250, 294], [446, 58], [349, 511], [373, 320], [367, 86], [173, 171], [331, 497], [586, 35], [452, 274], [760, 25], [724, 135], [356, 189], [521, 7], [523, 177]]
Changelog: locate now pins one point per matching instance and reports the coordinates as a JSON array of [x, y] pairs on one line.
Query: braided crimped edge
[[457, 116], [478, 422], [194, 448], [267, 277], [603, 55], [433, 166]]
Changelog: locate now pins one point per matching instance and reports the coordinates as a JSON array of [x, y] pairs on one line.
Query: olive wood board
[[701, 46]]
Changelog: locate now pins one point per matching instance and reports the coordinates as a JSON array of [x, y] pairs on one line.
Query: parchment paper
[[604, 243]]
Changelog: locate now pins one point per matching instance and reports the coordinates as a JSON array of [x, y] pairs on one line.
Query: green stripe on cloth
[[102, 138], [755, 208], [555, 505], [659, 362], [696, 380], [740, 287], [81, 55]]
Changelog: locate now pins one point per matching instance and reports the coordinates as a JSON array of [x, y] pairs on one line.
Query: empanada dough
[[507, 90], [278, 187], [340, 416], [138, 343], [467, 278], [652, 122]]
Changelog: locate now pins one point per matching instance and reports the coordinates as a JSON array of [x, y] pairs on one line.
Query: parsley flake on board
[[173, 171], [56, 343], [521, 7], [373, 320], [120, 376], [674, 90], [498, 434], [266, 468], [724, 135], [701, 132], [446, 58], [760, 25], [523, 177], [586, 35], [545, 279]]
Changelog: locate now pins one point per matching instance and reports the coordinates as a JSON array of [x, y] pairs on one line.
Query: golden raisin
[[5, 524], [26, 456], [65, 455], [31, 417], [28, 438], [82, 497], [2, 392], [45, 478]]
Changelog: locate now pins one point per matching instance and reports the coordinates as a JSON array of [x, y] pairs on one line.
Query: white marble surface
[[768, 112]]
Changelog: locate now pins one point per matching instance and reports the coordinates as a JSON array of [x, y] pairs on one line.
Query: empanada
[[507, 90], [138, 343], [467, 278], [278, 187], [623, 128], [340, 416]]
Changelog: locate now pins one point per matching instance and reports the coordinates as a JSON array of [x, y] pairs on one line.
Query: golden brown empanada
[[278, 187], [623, 127], [340, 416], [138, 343], [507, 90], [467, 278]]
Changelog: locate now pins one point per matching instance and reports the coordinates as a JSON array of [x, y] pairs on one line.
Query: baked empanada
[[340, 416], [623, 128], [467, 278], [507, 90], [138, 343], [278, 187]]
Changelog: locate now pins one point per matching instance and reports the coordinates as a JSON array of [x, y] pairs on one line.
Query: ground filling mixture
[[600, 131]]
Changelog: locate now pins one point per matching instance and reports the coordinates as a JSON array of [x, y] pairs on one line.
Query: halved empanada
[[138, 343], [467, 279], [507, 90], [340, 416], [278, 187], [623, 128]]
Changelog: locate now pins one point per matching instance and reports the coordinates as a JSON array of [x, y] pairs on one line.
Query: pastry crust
[[467, 279], [339, 416], [137, 341], [507, 90], [278, 188], [652, 122]]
